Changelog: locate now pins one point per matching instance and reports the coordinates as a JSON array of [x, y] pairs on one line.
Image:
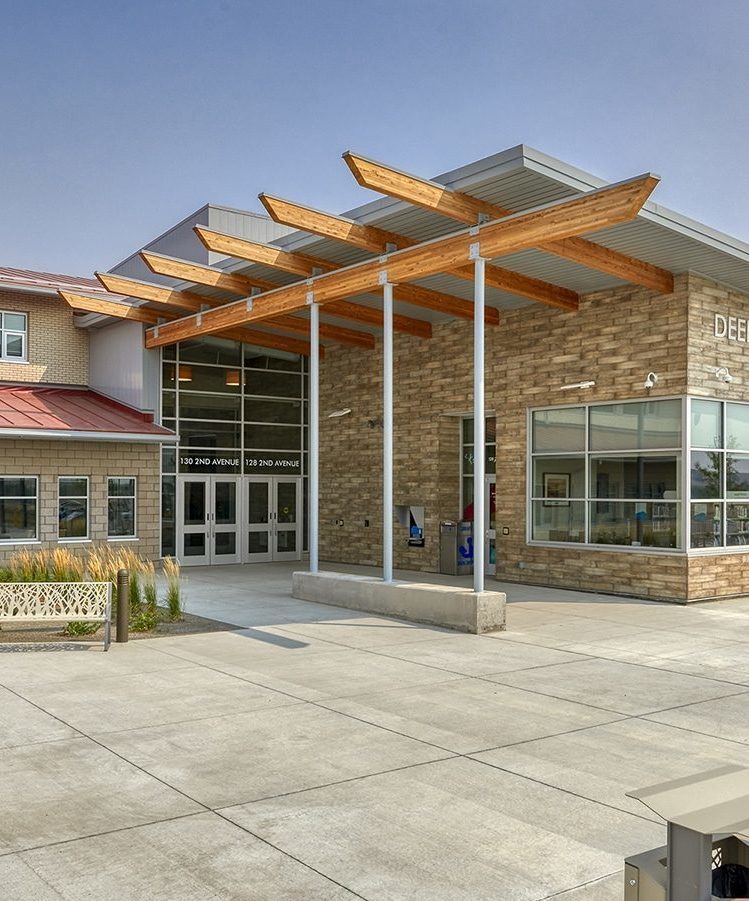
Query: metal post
[[689, 864], [387, 434], [479, 426], [123, 605], [314, 436]]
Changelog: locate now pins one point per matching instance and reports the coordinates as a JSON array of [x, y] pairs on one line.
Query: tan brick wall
[[98, 460], [615, 338], [57, 350]]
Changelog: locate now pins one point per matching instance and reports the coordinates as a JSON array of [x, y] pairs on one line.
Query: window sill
[[9, 542], [122, 539], [15, 362], [74, 540], [610, 548]]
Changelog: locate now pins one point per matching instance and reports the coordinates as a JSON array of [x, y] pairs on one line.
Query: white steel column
[[314, 435], [387, 432], [479, 429]]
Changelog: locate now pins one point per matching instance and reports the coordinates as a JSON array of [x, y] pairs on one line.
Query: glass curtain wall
[[238, 409]]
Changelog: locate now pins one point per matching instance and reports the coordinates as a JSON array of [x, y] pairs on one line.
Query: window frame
[[587, 454], [134, 496], [5, 542], [76, 538], [12, 332]]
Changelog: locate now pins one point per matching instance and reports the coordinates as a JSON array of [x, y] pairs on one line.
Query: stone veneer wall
[[615, 338], [57, 350], [714, 575], [98, 460]]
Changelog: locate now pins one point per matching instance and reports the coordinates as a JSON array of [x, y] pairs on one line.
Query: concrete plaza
[[322, 754]]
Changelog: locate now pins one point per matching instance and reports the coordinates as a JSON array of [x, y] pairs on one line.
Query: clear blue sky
[[118, 119]]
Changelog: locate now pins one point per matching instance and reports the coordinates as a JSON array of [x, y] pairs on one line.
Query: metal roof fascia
[[77, 435]]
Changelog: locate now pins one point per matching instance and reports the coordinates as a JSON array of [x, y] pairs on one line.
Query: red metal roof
[[39, 408], [30, 279]]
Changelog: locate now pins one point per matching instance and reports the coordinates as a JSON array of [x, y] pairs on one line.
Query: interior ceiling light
[[336, 414], [184, 374], [232, 378], [574, 385]]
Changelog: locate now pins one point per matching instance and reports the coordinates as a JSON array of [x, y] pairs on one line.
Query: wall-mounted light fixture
[[575, 385], [721, 373], [336, 414], [651, 380]]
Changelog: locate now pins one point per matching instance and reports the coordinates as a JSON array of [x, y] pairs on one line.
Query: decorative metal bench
[[89, 602]]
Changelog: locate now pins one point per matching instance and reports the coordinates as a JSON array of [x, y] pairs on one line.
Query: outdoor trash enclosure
[[708, 839]]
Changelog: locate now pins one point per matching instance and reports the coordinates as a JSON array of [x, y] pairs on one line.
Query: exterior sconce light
[[721, 373], [651, 381], [575, 385], [336, 414]]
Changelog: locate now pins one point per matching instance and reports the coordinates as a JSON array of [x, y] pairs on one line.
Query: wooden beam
[[465, 208], [376, 240], [329, 332], [133, 313], [83, 304], [302, 264], [170, 297], [365, 237], [187, 271], [373, 316], [591, 211]]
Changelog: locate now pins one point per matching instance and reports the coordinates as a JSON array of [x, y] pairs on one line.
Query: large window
[[121, 507], [13, 328], [72, 507], [719, 474], [608, 474], [18, 508]]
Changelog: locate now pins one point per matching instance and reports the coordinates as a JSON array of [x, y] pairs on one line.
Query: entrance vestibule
[[238, 519]]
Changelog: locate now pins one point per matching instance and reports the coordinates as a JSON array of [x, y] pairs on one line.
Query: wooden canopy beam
[[457, 205], [376, 240], [591, 211], [187, 271], [161, 294], [81, 303], [302, 264]]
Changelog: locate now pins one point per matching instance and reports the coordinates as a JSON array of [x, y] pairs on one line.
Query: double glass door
[[208, 514], [273, 523], [239, 519]]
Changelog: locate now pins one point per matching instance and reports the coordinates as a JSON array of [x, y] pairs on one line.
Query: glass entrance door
[[208, 520], [490, 533], [273, 518]]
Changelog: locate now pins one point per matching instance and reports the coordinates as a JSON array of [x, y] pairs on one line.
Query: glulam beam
[[377, 240], [82, 304], [210, 276], [588, 212], [465, 208]]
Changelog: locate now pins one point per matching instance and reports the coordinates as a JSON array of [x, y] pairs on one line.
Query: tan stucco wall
[[98, 460], [57, 350]]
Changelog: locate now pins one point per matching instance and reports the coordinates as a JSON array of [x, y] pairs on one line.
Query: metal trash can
[[449, 548]]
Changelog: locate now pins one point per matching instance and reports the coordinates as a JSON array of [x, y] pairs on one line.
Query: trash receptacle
[[449, 548]]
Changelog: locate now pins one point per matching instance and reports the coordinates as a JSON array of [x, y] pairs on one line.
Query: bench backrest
[[81, 601]]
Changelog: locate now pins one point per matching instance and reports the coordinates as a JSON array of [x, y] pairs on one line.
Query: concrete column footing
[[438, 605]]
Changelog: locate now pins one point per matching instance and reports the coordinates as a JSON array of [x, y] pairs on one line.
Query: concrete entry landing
[[320, 753]]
